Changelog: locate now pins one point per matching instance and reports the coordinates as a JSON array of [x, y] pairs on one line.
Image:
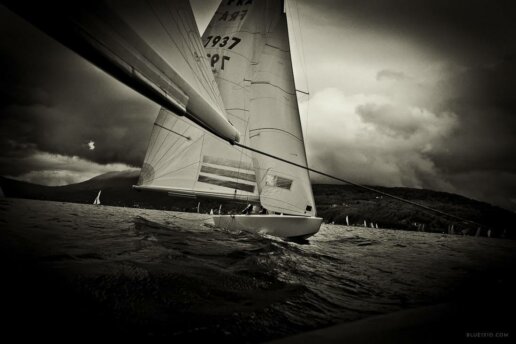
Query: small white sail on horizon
[[97, 199]]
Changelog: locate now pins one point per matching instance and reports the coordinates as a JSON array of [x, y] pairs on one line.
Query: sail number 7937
[[224, 42]]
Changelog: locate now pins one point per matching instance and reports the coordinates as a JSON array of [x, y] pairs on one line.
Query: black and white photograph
[[258, 171]]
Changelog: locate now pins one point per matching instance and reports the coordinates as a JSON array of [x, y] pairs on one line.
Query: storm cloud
[[413, 94], [54, 102]]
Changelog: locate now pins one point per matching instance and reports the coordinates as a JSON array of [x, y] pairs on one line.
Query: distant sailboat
[[97, 199]]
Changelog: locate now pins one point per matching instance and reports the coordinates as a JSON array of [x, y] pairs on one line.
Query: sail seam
[[241, 109], [172, 131], [278, 48], [268, 83], [275, 129]]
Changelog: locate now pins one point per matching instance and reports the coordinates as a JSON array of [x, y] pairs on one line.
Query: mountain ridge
[[334, 203]]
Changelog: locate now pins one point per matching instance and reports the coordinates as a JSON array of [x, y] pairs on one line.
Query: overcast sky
[[402, 93]]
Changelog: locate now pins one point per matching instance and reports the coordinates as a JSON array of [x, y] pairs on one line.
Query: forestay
[[247, 44]]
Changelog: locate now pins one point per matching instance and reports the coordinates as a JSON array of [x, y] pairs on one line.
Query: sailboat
[[247, 46], [97, 199], [226, 99]]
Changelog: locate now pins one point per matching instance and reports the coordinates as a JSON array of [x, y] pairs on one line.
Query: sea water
[[131, 273]]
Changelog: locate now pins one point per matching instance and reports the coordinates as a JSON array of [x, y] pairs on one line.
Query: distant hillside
[[116, 191], [334, 203]]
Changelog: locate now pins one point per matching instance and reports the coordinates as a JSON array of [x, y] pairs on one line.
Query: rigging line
[[157, 151], [181, 147], [358, 185], [153, 157], [180, 150], [159, 160], [270, 84], [274, 129], [175, 132]]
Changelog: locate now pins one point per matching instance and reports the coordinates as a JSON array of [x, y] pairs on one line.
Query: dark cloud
[[468, 30], [471, 48], [488, 85], [486, 103], [54, 169], [53, 101]]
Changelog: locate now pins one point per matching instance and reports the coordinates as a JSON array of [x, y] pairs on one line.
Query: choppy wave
[[175, 275]]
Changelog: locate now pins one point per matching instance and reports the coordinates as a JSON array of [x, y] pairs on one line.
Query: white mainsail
[[247, 42], [152, 46]]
